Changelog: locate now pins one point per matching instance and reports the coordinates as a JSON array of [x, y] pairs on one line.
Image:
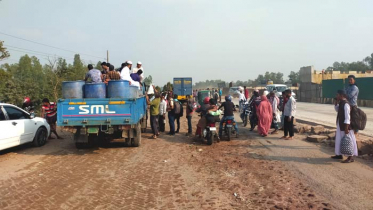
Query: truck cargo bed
[[105, 111]]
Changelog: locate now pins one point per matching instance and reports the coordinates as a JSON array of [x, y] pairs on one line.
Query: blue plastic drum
[[118, 89], [73, 89], [133, 92], [95, 90]]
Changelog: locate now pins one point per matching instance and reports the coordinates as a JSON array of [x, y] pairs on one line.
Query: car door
[[22, 121], [9, 135]]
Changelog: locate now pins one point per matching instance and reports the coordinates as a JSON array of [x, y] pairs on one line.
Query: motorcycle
[[227, 128], [245, 114], [209, 132]]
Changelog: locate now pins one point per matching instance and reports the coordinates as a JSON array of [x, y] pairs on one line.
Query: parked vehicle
[[104, 119], [19, 127], [234, 92], [183, 86], [279, 88]]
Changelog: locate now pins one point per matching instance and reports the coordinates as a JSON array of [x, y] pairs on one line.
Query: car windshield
[[234, 88], [281, 88]]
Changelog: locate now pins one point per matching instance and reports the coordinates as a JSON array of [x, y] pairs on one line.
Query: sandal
[[348, 160], [284, 137]]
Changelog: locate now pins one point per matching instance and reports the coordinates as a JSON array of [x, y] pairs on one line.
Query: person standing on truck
[[93, 74], [137, 68], [125, 75], [178, 111], [154, 112], [112, 75], [136, 76], [171, 114], [49, 112], [189, 113], [162, 113]]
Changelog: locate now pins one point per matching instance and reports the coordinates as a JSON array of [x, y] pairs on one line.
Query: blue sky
[[220, 39]]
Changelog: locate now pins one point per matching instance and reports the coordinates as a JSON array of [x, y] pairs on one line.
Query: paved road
[[325, 114]]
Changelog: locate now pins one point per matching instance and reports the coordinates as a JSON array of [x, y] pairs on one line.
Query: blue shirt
[[94, 75], [352, 94], [135, 77]]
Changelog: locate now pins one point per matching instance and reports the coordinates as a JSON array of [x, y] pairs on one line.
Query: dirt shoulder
[[167, 173]]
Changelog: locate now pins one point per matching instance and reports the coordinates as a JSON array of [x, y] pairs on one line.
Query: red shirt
[[50, 110], [246, 93]]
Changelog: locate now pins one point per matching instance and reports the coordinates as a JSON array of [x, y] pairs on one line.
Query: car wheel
[[40, 137]]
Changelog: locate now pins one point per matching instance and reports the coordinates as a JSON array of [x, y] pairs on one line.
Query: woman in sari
[[264, 113]]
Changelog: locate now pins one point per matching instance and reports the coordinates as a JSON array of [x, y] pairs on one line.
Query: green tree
[[148, 80], [3, 52], [168, 87], [294, 77], [98, 66]]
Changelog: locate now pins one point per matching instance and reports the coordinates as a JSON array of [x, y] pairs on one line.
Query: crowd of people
[[267, 110], [135, 76]]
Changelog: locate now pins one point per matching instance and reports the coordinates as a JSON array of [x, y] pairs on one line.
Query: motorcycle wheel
[[245, 121], [229, 133], [210, 138]]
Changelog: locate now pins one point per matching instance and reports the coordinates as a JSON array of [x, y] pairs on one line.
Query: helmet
[[26, 100], [228, 98], [206, 100]]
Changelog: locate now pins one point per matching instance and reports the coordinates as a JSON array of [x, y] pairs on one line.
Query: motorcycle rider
[[228, 114], [27, 105], [254, 102], [204, 110]]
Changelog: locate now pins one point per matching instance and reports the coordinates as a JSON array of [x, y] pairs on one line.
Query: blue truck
[[183, 86], [103, 119]]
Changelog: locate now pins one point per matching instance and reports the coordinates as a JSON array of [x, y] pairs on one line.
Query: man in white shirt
[[162, 113], [137, 68], [289, 113], [125, 74], [241, 99]]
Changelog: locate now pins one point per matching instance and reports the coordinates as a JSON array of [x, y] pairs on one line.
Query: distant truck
[[183, 86]]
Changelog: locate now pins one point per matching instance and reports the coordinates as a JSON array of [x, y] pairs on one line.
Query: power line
[[33, 51], [48, 45]]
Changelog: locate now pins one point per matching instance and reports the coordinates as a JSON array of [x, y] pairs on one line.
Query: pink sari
[[264, 112]]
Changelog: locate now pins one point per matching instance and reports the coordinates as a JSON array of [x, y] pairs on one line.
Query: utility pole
[[107, 56]]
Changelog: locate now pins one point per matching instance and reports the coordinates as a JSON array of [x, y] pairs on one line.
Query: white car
[[19, 127], [234, 92], [279, 89]]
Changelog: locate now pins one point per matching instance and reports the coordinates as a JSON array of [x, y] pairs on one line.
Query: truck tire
[[40, 137], [136, 141]]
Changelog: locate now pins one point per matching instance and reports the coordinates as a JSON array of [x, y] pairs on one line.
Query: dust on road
[[165, 173]]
